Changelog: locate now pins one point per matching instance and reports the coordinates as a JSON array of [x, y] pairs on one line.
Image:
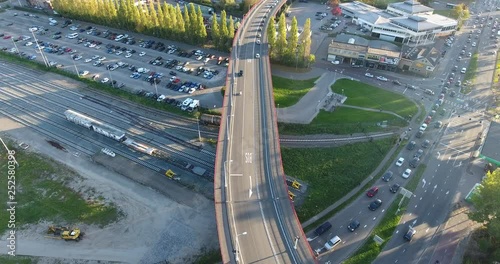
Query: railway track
[[206, 162], [25, 120]]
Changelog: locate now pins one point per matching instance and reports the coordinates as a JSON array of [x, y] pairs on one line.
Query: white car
[[83, 73], [73, 28], [463, 70], [102, 58], [382, 78], [128, 55], [336, 62], [473, 44], [92, 45], [88, 60], [423, 127], [142, 53], [78, 57], [258, 42], [257, 55], [406, 174], [28, 44], [369, 75], [95, 57], [400, 161], [191, 90], [105, 80], [119, 52]]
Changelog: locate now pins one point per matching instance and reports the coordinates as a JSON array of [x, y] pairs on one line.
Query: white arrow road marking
[[250, 190]]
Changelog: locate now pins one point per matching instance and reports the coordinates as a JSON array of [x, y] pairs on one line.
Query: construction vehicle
[[68, 234]]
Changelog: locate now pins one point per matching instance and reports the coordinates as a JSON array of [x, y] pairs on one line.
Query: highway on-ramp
[[256, 220]]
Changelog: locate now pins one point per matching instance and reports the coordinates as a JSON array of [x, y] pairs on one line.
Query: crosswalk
[[465, 102]]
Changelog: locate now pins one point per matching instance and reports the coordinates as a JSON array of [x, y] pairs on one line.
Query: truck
[[186, 103]]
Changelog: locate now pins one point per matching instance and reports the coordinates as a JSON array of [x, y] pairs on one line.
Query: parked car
[[400, 161], [322, 228], [411, 145]]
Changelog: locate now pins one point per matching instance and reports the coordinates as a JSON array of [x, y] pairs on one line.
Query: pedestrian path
[[374, 110]]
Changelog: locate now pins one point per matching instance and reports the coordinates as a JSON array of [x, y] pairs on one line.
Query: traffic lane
[[358, 210], [425, 214], [425, 211]]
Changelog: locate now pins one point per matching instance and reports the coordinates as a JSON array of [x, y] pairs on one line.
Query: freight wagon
[[210, 119], [95, 125]]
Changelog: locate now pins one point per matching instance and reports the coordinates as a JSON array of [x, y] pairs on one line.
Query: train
[[95, 125], [210, 119]]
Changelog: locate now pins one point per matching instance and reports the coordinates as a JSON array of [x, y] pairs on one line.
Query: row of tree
[[288, 47], [222, 32], [160, 20]]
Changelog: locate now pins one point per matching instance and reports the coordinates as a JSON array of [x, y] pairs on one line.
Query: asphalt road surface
[[256, 219]]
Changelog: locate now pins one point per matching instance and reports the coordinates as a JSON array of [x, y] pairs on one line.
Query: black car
[[419, 134], [375, 205], [414, 162], [322, 228], [396, 82], [395, 188], [387, 176], [426, 144], [240, 73], [353, 225], [411, 145]]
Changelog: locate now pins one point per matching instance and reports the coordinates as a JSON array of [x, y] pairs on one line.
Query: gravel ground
[[154, 228]]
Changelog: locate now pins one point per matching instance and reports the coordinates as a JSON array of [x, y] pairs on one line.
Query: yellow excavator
[[66, 233]]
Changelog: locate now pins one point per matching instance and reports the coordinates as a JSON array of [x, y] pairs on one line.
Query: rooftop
[[415, 53], [351, 39], [411, 7], [415, 23], [491, 146]]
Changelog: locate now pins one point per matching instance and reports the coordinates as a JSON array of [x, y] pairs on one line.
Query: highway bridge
[[256, 220]]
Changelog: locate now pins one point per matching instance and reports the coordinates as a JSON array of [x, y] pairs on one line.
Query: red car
[[372, 192], [7, 37]]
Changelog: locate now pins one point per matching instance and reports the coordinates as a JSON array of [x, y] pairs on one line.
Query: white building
[[406, 22]]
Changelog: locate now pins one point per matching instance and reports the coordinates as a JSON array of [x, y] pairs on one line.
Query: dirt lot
[[154, 228]]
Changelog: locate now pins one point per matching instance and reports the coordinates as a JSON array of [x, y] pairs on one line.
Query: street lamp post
[[237, 250], [296, 242]]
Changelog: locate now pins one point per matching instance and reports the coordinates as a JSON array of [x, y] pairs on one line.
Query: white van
[[186, 104], [330, 244], [194, 105]]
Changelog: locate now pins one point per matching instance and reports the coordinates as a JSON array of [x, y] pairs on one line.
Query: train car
[[97, 126], [210, 119]]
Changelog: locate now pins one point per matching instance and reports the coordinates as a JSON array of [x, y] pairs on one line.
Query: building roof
[[411, 7], [491, 146], [415, 23], [416, 53], [351, 39], [383, 45]]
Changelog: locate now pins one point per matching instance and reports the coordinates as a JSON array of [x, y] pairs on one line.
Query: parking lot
[[143, 65]]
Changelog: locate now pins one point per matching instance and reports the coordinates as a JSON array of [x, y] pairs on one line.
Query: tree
[[281, 42], [271, 36], [293, 41], [305, 40], [215, 31], [224, 31], [201, 30], [487, 204], [461, 12], [230, 32]]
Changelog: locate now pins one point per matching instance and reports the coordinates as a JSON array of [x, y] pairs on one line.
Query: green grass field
[[288, 92], [365, 95], [41, 194], [332, 172], [342, 121]]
